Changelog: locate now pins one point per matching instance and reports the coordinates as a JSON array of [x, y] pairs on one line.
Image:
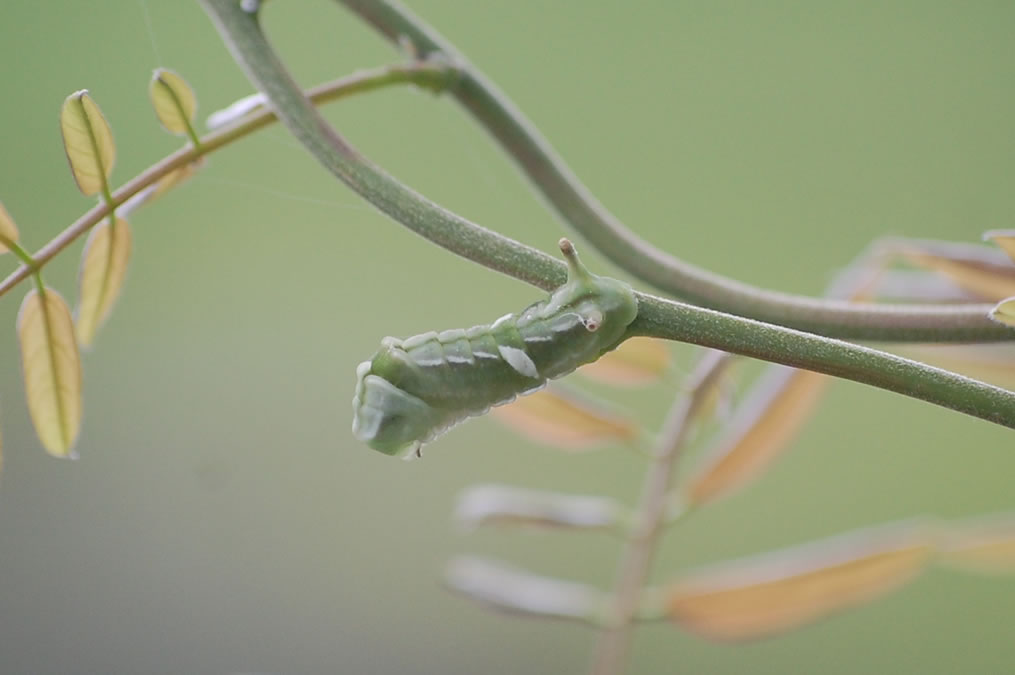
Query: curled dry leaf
[[163, 185], [775, 592], [173, 100], [1005, 239], [510, 590], [88, 142], [985, 545], [235, 111], [917, 286], [561, 418], [761, 428], [1004, 312], [637, 361], [52, 370], [984, 272], [482, 505], [990, 362], [103, 269], [7, 228]]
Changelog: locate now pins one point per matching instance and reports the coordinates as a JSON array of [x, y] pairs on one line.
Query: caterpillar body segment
[[413, 390]]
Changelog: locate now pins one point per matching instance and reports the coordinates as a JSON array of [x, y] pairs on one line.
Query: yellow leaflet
[[984, 545], [990, 362], [637, 361], [103, 268], [1004, 312], [52, 370], [173, 100], [175, 177], [1005, 239], [775, 592], [763, 427], [990, 282], [88, 142], [164, 184], [7, 227], [564, 420]]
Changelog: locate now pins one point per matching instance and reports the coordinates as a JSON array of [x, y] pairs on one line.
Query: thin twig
[[652, 514], [431, 75]]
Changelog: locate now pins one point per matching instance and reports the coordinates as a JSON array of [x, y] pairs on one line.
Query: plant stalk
[[576, 206], [652, 515]]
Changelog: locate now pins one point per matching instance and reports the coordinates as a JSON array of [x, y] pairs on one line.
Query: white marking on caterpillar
[[593, 321], [363, 369], [532, 390], [418, 340], [538, 338], [479, 354], [501, 321], [453, 358], [519, 360], [565, 322], [453, 335]]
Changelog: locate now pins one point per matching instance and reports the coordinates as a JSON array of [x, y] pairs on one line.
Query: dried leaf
[[88, 142], [173, 100], [561, 418], [1004, 312], [103, 268], [762, 427], [777, 591], [711, 387], [637, 361], [987, 274], [7, 228], [511, 590], [177, 176], [985, 545], [917, 286], [52, 370], [1005, 239], [990, 362], [160, 187], [506, 505], [235, 111]]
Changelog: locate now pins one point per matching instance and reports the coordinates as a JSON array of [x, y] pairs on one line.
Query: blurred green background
[[222, 519]]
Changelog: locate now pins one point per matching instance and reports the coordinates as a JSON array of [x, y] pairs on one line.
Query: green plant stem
[[195, 139], [432, 76], [573, 202], [19, 252], [657, 317], [652, 516]]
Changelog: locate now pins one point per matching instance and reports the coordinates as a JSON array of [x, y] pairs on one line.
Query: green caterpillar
[[413, 390]]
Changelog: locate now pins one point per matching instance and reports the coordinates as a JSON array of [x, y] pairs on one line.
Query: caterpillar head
[[606, 306]]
